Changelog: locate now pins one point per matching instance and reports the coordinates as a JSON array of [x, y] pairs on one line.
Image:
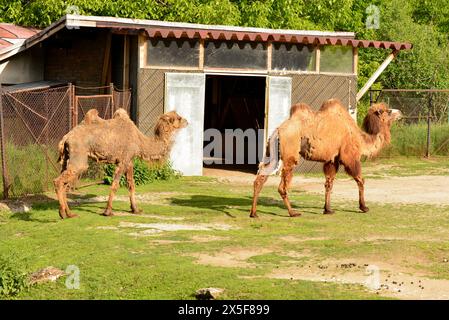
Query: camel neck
[[374, 143]]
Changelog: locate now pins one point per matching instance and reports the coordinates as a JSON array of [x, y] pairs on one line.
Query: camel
[[116, 141], [328, 135]]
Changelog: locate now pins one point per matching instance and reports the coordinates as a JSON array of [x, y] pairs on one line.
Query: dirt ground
[[401, 190]]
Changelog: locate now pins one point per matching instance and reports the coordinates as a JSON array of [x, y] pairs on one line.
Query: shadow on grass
[[227, 204], [45, 203]]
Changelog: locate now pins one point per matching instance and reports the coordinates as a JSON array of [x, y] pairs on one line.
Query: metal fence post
[[2, 142], [428, 124]]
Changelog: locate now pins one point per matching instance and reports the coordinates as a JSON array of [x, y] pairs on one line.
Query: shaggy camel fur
[[115, 141], [330, 136]]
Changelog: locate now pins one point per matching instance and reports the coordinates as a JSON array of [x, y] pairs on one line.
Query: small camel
[[116, 141], [328, 135]]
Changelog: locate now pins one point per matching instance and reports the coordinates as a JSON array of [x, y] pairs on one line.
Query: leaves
[[424, 23]]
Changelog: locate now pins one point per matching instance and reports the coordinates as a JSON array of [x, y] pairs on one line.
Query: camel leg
[[258, 185], [61, 184], [355, 171], [361, 184], [330, 170], [131, 188], [115, 184], [286, 179]]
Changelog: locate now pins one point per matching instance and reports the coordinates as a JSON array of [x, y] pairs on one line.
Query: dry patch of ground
[[157, 228], [231, 257], [384, 279], [400, 190]]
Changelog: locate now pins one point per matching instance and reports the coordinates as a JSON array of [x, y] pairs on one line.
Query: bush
[[143, 173], [12, 278], [28, 170]]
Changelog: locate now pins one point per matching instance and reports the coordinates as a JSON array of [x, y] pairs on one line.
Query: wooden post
[[318, 59], [376, 74], [111, 86], [429, 113], [2, 142]]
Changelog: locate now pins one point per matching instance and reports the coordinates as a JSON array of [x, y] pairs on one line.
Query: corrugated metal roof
[[264, 36], [183, 30], [11, 34]]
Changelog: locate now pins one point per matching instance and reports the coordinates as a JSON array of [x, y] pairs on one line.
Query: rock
[[46, 274], [4, 207], [208, 293]]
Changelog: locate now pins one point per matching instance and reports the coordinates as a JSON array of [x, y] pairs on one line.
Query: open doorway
[[232, 103]]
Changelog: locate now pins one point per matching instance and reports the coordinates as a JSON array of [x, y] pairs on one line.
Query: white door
[[184, 93], [279, 91]]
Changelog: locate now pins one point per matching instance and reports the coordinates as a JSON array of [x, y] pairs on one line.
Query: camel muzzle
[[396, 114]]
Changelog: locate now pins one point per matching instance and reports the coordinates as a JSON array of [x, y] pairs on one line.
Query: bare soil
[[401, 190]]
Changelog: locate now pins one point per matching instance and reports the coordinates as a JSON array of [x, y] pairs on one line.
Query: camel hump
[[92, 117], [332, 104], [121, 114], [300, 108]]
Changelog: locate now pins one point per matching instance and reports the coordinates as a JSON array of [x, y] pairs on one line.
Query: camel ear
[[379, 112]]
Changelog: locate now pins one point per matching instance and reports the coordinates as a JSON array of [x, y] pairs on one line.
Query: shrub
[[28, 170], [143, 173], [12, 278]]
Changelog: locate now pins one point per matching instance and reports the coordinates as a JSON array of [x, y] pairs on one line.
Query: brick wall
[[76, 56]]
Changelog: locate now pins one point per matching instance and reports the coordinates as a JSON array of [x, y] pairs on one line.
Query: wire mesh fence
[[424, 128], [32, 122]]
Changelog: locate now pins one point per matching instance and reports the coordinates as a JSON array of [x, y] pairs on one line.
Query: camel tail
[[271, 162]]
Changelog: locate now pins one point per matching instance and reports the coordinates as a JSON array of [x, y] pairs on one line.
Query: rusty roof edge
[[29, 42], [83, 20]]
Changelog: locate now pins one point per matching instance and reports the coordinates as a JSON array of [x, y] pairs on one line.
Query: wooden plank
[[376, 74], [355, 61], [125, 62], [106, 58], [317, 59]]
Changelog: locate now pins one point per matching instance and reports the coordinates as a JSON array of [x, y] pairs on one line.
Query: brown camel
[[115, 141], [328, 135]]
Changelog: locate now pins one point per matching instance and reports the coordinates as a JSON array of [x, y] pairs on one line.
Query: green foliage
[[424, 23], [12, 278], [143, 173], [27, 168]]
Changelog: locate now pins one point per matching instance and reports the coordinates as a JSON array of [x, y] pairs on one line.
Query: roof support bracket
[[376, 74]]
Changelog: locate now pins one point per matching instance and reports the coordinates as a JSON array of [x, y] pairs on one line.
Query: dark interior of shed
[[235, 102]]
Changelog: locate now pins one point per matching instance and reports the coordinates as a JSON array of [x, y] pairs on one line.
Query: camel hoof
[[328, 211], [294, 214], [364, 209], [107, 213], [136, 211], [253, 215], [72, 215]]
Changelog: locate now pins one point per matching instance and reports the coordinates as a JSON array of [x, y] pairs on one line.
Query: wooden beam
[[125, 62], [376, 74], [317, 59], [355, 60], [106, 58]]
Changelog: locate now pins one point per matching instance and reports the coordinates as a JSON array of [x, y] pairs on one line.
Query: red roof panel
[[263, 36]]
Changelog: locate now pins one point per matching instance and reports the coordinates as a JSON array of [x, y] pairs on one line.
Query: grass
[[411, 140], [116, 265]]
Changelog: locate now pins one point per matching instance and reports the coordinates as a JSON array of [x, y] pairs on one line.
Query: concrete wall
[[27, 66]]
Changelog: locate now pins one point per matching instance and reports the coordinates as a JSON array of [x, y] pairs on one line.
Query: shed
[[217, 77]]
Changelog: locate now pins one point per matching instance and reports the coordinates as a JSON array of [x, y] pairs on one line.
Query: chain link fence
[[424, 128], [33, 121]]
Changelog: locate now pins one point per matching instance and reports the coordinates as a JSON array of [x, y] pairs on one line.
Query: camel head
[[168, 123], [379, 120]]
